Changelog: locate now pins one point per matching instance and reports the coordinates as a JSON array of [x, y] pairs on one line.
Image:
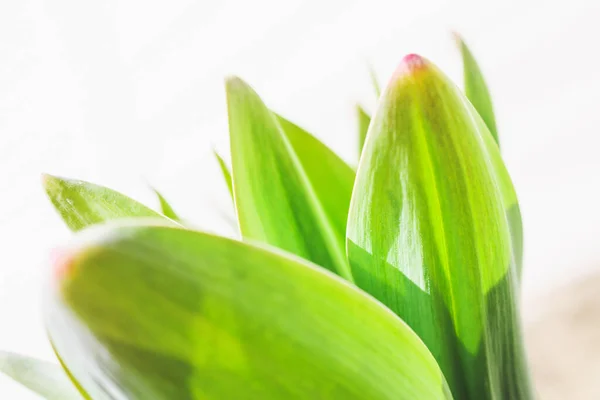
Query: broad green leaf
[[279, 199], [81, 203], [155, 312], [46, 379], [476, 89], [226, 173], [165, 207], [428, 235], [363, 126]]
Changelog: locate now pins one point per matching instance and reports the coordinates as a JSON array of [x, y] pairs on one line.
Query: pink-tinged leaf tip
[[63, 262], [409, 65]]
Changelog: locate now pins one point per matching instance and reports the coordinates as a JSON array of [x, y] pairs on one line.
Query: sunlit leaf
[[363, 126], [165, 207], [277, 197], [428, 234], [476, 89], [330, 177], [81, 203], [46, 379], [477, 92], [225, 172], [155, 312]]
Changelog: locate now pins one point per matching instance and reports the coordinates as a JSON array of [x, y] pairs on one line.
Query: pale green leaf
[[150, 312], [428, 234], [41, 377], [81, 203], [165, 207], [225, 172], [277, 198], [374, 81], [363, 127]]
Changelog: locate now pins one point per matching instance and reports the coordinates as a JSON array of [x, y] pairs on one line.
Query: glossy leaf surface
[[46, 379], [155, 312], [81, 203], [165, 207], [277, 198], [428, 234], [363, 127]]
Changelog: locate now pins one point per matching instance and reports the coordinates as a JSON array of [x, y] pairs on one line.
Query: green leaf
[[165, 207], [81, 203], [330, 177], [278, 198], [46, 379], [428, 235], [363, 127], [476, 89], [151, 312], [477, 92], [226, 173]]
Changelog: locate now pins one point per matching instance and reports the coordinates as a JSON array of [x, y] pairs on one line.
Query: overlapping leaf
[[46, 379], [81, 203], [154, 312], [478, 93], [280, 199], [476, 89], [428, 235]]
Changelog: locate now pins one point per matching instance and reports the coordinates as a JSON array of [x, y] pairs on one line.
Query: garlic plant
[[399, 280]]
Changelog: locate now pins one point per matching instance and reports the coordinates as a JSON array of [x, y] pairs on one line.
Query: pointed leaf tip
[[410, 64]]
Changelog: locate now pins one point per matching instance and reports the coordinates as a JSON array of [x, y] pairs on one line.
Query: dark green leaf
[[154, 312], [428, 235]]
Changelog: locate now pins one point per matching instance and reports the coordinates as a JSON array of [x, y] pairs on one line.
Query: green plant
[[399, 280]]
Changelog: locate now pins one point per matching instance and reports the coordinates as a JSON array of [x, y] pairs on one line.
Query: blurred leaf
[[363, 126], [165, 207], [278, 198], [374, 81], [476, 89], [46, 379], [165, 313], [427, 233], [226, 173], [81, 203]]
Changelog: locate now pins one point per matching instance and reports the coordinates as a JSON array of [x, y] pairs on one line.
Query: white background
[[127, 92]]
